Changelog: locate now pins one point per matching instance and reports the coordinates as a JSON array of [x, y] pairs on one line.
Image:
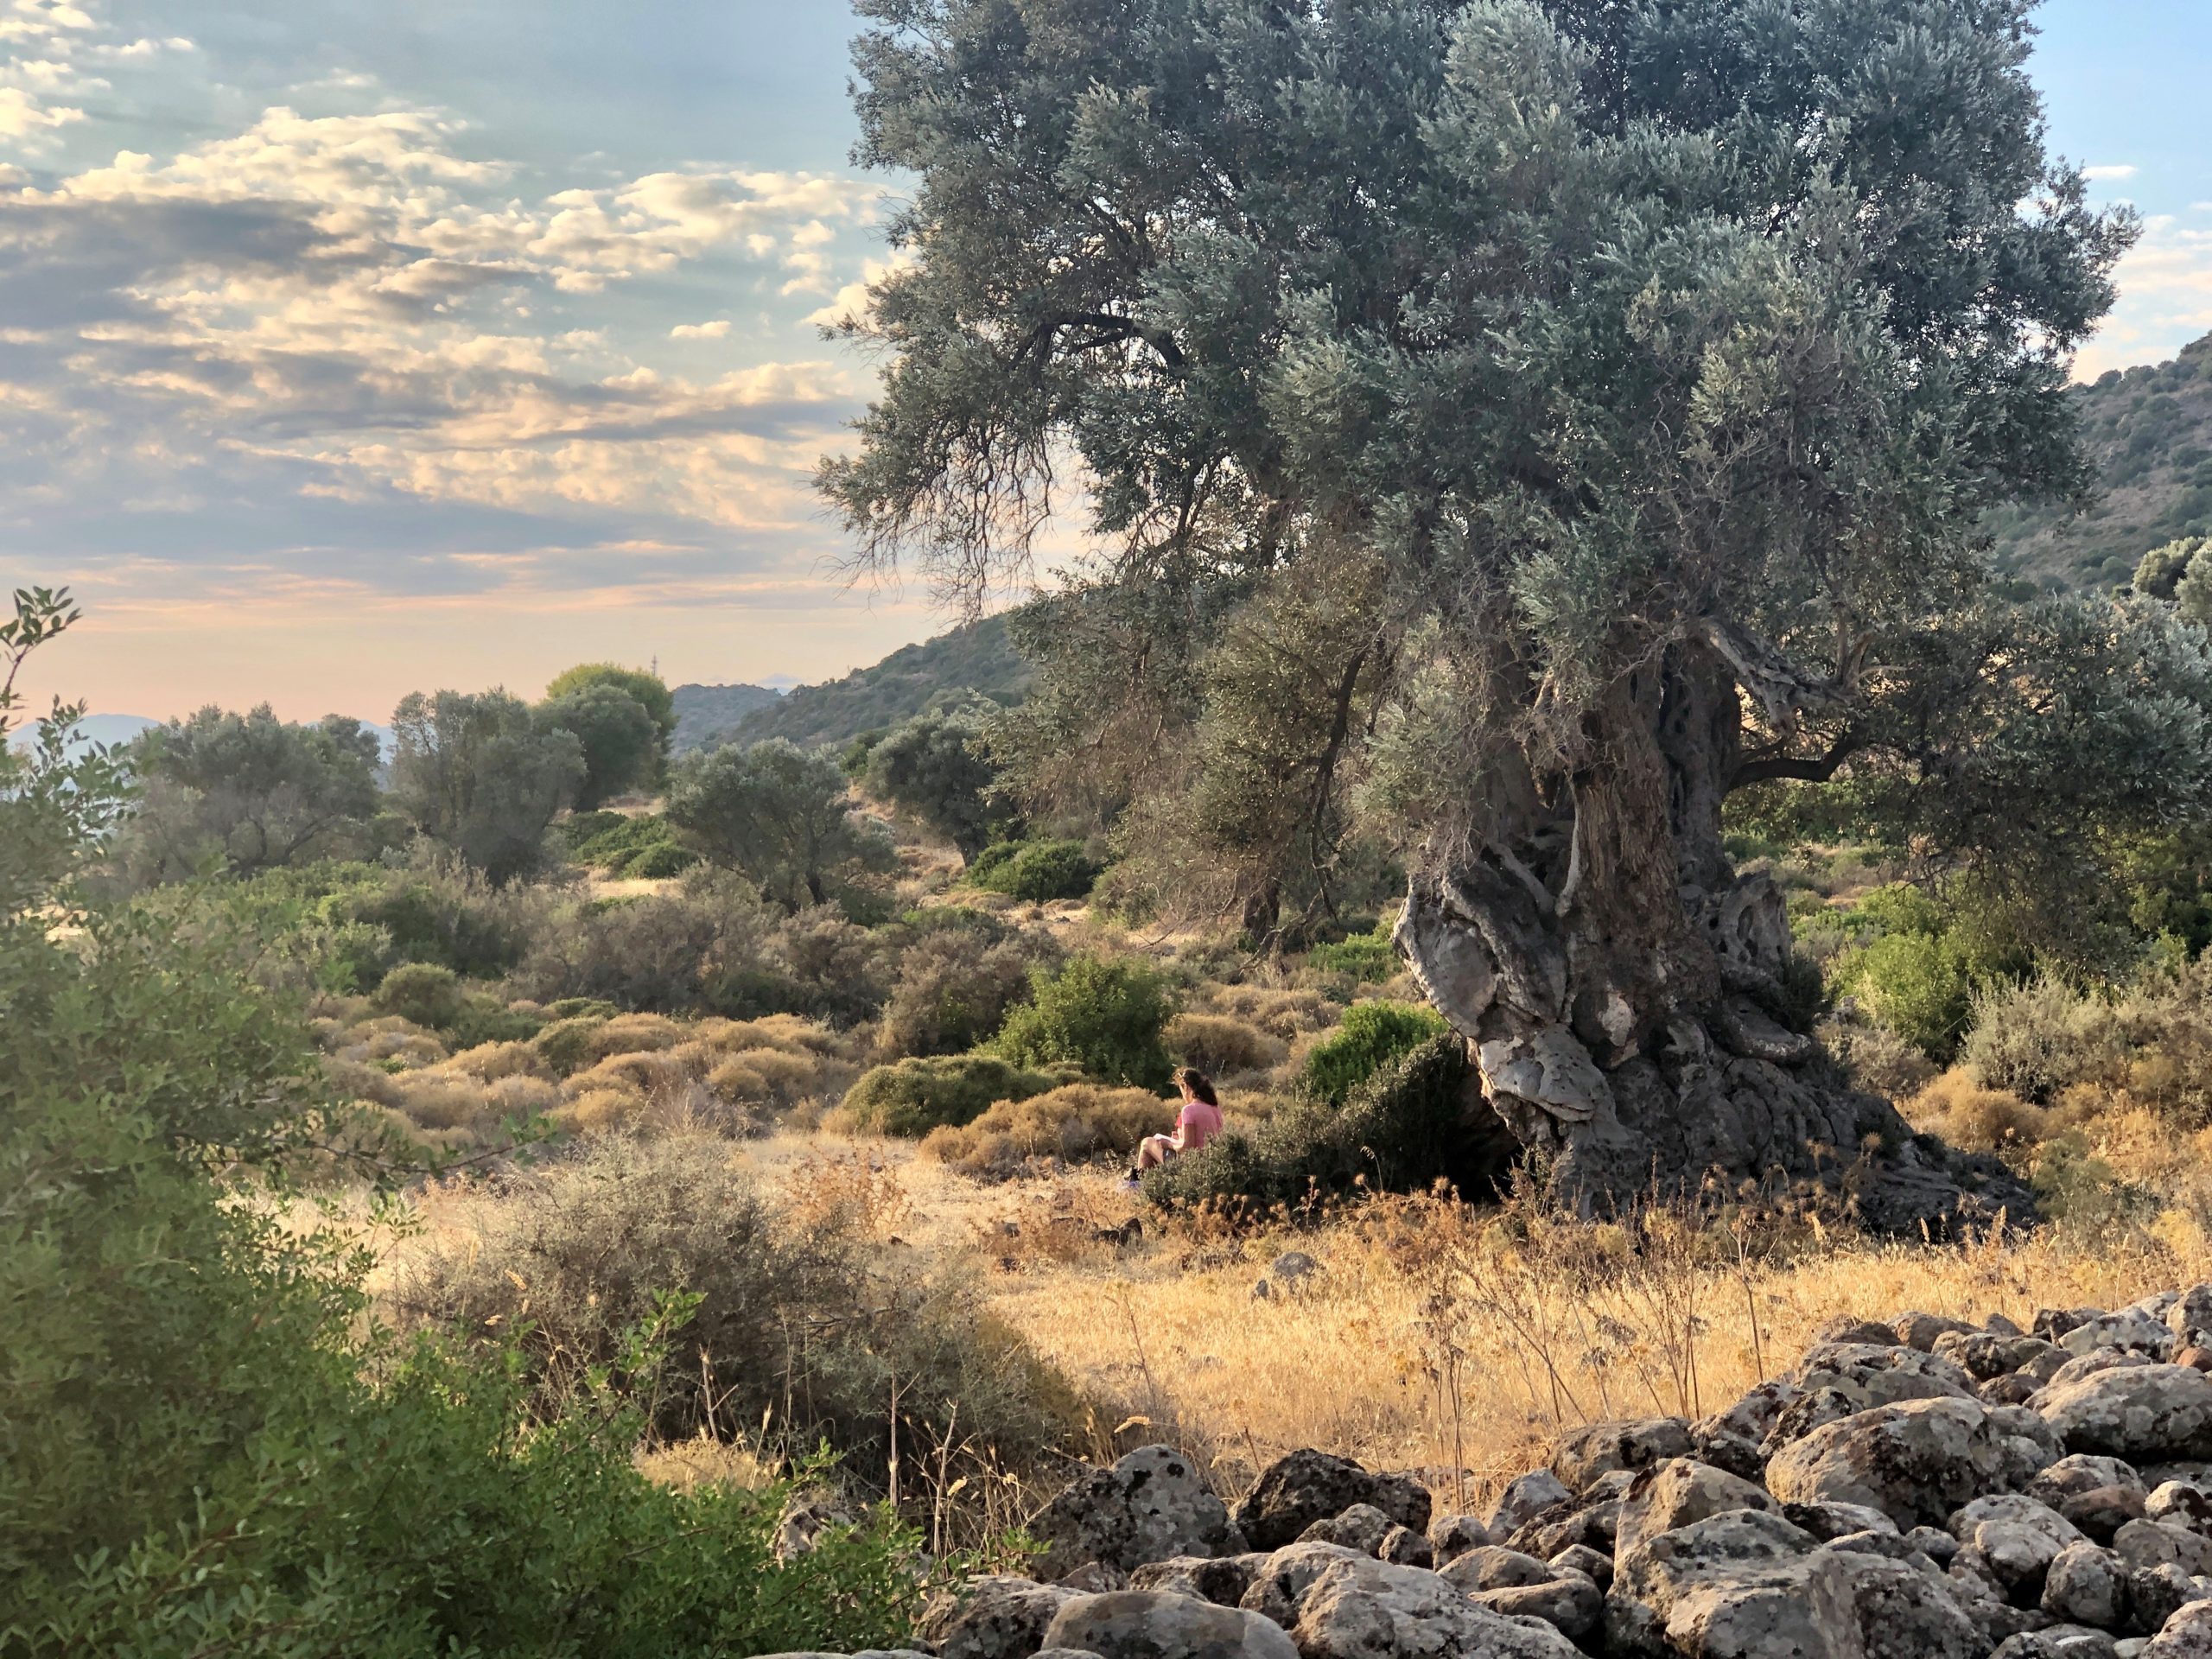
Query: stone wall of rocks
[[1918, 1489]]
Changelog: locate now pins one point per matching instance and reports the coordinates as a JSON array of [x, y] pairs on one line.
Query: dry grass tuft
[[1071, 1124]]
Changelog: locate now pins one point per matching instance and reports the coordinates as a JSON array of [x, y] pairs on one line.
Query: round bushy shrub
[[953, 992], [2037, 1038], [1220, 1045], [1038, 871], [912, 1098], [660, 862], [1369, 957], [1918, 985], [1372, 1035], [423, 993], [1104, 1017]]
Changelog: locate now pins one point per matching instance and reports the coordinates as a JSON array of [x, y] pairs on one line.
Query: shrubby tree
[[777, 814], [1655, 365], [250, 790], [649, 689], [483, 774], [621, 743], [931, 767]]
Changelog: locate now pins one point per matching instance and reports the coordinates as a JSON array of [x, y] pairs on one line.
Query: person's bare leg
[[1152, 1152]]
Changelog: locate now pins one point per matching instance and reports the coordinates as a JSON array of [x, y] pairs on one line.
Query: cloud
[[308, 332], [2101, 175], [2166, 299]]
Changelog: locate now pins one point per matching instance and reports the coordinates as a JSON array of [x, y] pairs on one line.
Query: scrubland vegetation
[[1551, 752]]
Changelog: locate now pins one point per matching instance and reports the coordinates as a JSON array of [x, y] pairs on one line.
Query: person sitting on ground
[[1197, 1123]]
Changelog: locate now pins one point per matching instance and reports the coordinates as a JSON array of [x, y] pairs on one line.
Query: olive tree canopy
[[1644, 365]]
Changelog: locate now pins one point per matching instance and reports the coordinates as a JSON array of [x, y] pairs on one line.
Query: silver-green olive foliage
[[777, 814]]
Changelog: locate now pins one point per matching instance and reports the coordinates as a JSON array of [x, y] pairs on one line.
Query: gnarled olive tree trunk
[[1622, 987]]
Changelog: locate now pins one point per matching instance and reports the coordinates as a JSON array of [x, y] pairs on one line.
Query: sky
[[354, 347]]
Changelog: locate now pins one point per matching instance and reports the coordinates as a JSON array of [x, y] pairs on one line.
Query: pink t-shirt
[[1196, 1125]]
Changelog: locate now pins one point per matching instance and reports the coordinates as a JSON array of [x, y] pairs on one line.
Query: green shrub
[[436, 913], [1402, 1130], [199, 1450], [2037, 1038], [1369, 958], [1104, 1017], [1372, 1035], [953, 993], [912, 1098], [660, 862], [1918, 985], [1035, 870], [422, 993]]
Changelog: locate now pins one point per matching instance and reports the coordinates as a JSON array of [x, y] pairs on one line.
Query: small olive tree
[[777, 814]]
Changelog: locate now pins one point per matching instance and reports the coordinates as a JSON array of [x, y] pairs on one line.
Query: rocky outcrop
[[1913, 1489]]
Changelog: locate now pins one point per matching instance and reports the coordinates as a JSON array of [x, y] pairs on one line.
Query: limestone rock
[[1362, 1609], [1526, 1498], [2186, 1635], [2086, 1584], [2083, 1472], [2190, 1318], [1677, 1492], [1283, 1577], [1216, 1578], [1150, 1506], [2155, 1594], [2097, 1359], [1363, 1526], [1984, 1356], [1403, 1547], [1571, 1603], [1495, 1569], [1582, 1455], [1598, 1568], [1453, 1535], [1921, 1331], [1871, 1375], [1917, 1461], [2142, 1413], [1156, 1625], [2182, 1502], [993, 1617], [1828, 1521], [1295, 1492], [2019, 1536], [2156, 1543], [2132, 1329]]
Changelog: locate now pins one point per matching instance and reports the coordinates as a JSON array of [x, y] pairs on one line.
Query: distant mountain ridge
[[704, 713], [974, 660], [2148, 432]]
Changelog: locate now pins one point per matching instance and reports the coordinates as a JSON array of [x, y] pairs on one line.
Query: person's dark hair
[[1199, 1084]]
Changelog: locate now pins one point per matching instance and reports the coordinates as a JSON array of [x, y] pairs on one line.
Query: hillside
[[704, 713], [2149, 431], [976, 658]]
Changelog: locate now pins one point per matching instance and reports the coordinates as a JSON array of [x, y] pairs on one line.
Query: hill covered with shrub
[[2148, 432], [975, 660]]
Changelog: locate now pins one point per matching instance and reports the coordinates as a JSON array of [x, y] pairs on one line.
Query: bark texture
[[1622, 987]]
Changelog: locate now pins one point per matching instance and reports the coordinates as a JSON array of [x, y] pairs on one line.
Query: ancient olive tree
[[1650, 367]]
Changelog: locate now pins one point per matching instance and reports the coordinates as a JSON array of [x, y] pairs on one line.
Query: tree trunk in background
[[1623, 988]]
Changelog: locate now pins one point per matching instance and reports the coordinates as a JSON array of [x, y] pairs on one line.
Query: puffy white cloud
[[718, 329], [2110, 172]]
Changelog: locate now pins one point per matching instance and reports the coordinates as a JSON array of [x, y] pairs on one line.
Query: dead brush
[[856, 1194], [1058, 1224]]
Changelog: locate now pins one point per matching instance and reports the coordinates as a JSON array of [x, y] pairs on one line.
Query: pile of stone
[[1923, 1489]]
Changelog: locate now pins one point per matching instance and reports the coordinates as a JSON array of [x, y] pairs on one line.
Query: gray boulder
[[993, 1617], [1218, 1579], [1526, 1498], [2186, 1633], [1924, 1330], [2133, 1329], [2182, 1502], [1871, 1375], [2059, 1642], [2155, 1594], [1581, 1456], [2097, 1359], [1570, 1603], [2190, 1318], [1747, 1585], [1917, 1461], [1362, 1609], [1983, 1356], [2144, 1414], [2018, 1537], [2086, 1584], [1676, 1493], [1156, 1625], [1830, 1520], [1363, 1526], [1453, 1535], [2083, 1472], [1150, 1506], [2157, 1543], [1495, 1569], [1283, 1577], [1295, 1492]]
